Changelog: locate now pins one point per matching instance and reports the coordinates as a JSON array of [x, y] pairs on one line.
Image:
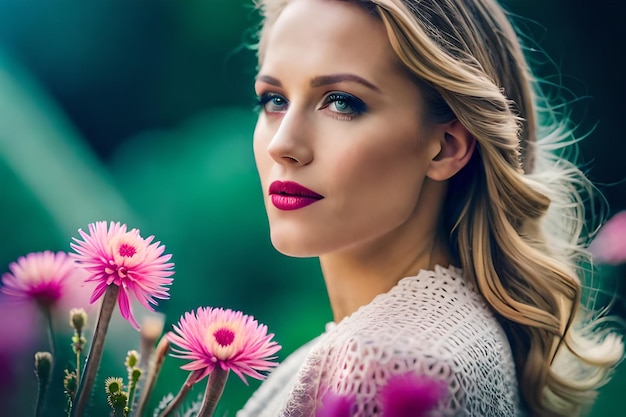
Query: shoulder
[[435, 314], [271, 396], [431, 334]]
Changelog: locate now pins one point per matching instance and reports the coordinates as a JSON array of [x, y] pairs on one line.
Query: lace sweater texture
[[433, 326]]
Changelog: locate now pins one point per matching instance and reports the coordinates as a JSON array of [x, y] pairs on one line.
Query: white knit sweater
[[433, 325]]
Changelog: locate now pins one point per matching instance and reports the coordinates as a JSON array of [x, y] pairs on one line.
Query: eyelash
[[264, 99], [357, 105]]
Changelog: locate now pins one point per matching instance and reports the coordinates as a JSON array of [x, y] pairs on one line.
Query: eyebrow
[[323, 80], [336, 78]]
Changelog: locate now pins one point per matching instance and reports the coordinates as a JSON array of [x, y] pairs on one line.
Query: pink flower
[[42, 277], [230, 339], [609, 246], [123, 258], [410, 395], [335, 405], [18, 320]]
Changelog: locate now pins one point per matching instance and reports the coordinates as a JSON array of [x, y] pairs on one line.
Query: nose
[[291, 143]]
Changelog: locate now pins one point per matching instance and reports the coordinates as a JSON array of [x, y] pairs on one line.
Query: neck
[[354, 277]]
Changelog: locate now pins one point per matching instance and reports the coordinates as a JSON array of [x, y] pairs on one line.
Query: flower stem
[[43, 370], [42, 389], [92, 362], [41, 395], [184, 390], [155, 368], [78, 367], [214, 390], [48, 314], [131, 394]]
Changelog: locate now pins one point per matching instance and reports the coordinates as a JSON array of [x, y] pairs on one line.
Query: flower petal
[[200, 338], [113, 256]]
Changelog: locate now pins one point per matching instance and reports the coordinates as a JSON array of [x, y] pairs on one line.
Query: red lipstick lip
[[289, 195]]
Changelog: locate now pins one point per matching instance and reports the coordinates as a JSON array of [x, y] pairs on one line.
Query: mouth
[[289, 195]]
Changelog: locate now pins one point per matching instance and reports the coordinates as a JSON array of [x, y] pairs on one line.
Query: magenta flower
[[215, 337], [41, 277], [18, 321], [609, 246], [410, 395], [335, 405], [114, 256]]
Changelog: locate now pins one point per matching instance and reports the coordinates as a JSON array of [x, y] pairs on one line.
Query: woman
[[400, 142]]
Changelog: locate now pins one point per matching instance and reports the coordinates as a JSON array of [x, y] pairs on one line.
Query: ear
[[457, 147]]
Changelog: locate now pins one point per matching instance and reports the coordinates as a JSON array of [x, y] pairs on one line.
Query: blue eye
[[344, 104], [273, 103]]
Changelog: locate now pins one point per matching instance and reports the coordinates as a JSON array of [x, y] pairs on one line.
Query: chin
[[295, 248]]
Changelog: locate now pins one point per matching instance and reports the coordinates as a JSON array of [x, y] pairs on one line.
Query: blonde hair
[[516, 212]]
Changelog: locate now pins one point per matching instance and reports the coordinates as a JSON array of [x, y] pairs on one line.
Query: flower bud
[[113, 385], [118, 400], [134, 375], [70, 383], [78, 319], [43, 365], [151, 329], [132, 359]]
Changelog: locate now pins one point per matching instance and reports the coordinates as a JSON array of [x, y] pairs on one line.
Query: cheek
[[382, 186], [384, 171], [259, 146], [388, 161]]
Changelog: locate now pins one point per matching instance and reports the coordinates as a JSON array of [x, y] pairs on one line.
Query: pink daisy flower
[[215, 337], [609, 246], [42, 277], [114, 256]]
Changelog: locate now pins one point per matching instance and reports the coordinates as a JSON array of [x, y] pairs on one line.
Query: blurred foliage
[[142, 112]]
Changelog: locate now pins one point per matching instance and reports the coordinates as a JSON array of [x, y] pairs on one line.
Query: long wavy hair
[[515, 214]]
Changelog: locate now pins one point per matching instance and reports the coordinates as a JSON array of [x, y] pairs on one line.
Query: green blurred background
[[142, 112]]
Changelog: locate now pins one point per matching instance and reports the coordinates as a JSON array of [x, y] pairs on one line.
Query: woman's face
[[341, 120]]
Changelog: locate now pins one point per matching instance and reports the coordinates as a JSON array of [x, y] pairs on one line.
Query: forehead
[[328, 36]]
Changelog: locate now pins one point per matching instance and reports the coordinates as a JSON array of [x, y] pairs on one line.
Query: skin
[[382, 171]]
